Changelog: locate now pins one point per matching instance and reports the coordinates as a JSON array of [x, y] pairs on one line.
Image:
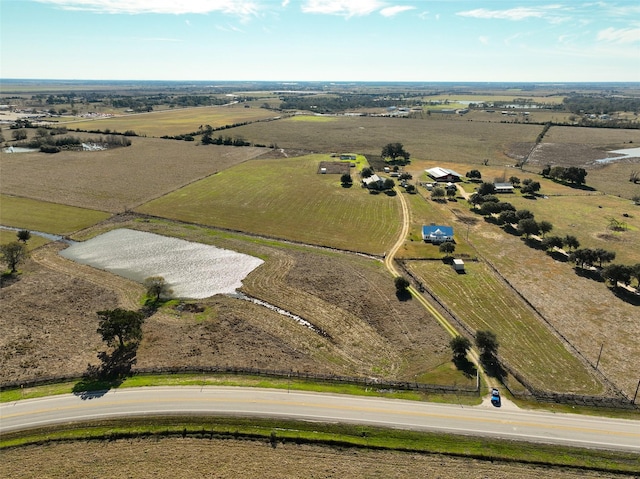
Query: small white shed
[[458, 265]]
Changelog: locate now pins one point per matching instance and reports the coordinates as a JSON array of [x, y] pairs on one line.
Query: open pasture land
[[583, 310], [443, 138], [484, 302], [47, 217], [117, 179], [175, 122], [351, 298], [588, 218], [287, 199]]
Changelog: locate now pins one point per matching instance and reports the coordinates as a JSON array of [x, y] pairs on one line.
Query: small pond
[[19, 149], [626, 153], [192, 270]]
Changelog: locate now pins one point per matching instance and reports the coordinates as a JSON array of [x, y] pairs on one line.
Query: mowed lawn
[[484, 302], [175, 122], [287, 199], [47, 217]]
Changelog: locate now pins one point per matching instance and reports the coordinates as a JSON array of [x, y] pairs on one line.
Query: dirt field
[[117, 179], [189, 458]]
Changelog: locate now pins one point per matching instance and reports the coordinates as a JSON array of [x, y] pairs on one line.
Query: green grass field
[[485, 303], [46, 217], [287, 199]]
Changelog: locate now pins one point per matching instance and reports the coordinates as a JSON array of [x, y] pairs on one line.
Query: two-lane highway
[[536, 426]]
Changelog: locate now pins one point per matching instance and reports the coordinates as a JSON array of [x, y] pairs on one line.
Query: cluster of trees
[[620, 273], [587, 257], [337, 102], [438, 193], [486, 342], [571, 174], [600, 104]]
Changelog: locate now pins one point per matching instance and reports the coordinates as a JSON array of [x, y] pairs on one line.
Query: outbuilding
[[458, 265], [443, 174], [437, 233]]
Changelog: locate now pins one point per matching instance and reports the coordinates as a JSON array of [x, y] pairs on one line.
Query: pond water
[[192, 270], [626, 153], [19, 149]]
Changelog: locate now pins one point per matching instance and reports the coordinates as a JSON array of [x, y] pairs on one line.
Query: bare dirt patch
[[188, 458], [333, 167]]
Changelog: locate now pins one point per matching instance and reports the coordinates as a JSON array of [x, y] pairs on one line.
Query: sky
[[322, 40]]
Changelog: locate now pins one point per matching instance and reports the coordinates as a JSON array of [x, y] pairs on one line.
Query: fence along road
[[530, 426]]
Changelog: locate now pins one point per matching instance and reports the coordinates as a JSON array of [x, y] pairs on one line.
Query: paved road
[[567, 429]]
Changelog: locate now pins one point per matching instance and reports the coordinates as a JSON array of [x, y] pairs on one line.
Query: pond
[[192, 270], [626, 153]]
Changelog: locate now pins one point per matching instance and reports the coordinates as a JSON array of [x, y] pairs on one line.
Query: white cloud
[[518, 13], [392, 11], [347, 8], [176, 7], [619, 35], [484, 40], [285, 3]]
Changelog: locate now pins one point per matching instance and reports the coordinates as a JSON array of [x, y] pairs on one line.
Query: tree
[[156, 287], [515, 181], [402, 284], [395, 151], [544, 227], [24, 236], [447, 248], [459, 345], [528, 227], [474, 175], [552, 242], [366, 172], [451, 193], [410, 188], [507, 217], [119, 327], [13, 254], [635, 272], [346, 180], [437, 193], [388, 184], [406, 176], [488, 345], [486, 189], [524, 215], [604, 256], [617, 273], [19, 134], [571, 242], [530, 188]]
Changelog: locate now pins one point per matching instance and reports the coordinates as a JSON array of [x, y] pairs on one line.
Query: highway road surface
[[485, 420]]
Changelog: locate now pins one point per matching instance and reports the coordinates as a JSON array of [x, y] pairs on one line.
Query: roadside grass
[[175, 122], [46, 217], [287, 199], [441, 373], [484, 302], [277, 432]]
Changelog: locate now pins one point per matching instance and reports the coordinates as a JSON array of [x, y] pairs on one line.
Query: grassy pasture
[[8, 236], [587, 218], [606, 138], [287, 199], [442, 138], [175, 122], [46, 217], [484, 302]]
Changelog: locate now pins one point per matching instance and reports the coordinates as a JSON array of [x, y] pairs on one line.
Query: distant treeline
[[338, 103], [600, 105]]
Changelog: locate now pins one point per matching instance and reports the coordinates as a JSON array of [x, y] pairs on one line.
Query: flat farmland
[[175, 122], [287, 199], [583, 310], [117, 179], [47, 217], [484, 302], [442, 138]]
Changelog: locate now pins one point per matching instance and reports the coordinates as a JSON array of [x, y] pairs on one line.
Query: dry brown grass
[[189, 458], [117, 179], [353, 299]]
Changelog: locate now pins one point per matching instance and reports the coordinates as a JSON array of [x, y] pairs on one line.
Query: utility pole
[[636, 394]]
